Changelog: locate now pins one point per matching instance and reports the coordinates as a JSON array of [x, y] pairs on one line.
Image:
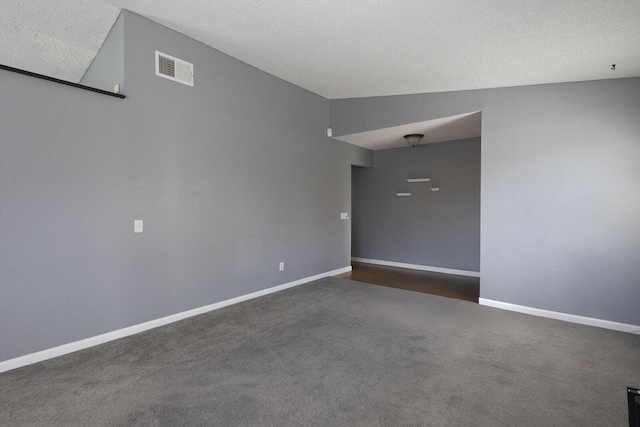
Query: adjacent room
[[416, 213], [187, 191]]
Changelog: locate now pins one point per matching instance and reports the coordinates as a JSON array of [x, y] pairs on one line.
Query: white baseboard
[[418, 267], [624, 327], [50, 353]]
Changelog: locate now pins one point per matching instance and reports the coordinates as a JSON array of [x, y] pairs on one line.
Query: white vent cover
[[174, 69]]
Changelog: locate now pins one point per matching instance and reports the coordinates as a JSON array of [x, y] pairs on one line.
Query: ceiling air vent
[[174, 69]]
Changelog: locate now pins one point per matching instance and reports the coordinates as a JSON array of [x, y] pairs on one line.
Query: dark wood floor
[[446, 285]]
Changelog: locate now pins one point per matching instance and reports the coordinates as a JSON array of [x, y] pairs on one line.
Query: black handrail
[[64, 82]]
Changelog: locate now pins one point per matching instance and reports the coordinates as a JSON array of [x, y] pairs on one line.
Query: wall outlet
[[281, 266], [137, 226], [344, 215]]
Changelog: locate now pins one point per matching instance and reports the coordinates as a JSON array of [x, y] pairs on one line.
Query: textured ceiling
[[438, 130], [357, 48], [354, 48], [54, 38]]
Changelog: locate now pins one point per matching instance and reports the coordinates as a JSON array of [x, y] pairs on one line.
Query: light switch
[[344, 215], [137, 226]]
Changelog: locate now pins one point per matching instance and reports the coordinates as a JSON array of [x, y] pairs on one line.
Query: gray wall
[[107, 68], [560, 212], [437, 229], [230, 177]]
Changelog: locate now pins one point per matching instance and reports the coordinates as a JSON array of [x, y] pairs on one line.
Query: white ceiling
[[54, 38], [357, 48], [438, 130]]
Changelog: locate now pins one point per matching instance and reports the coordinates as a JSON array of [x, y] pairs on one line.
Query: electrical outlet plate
[[344, 215], [137, 226], [281, 266]]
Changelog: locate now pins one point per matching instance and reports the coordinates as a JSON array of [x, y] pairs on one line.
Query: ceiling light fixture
[[413, 139]]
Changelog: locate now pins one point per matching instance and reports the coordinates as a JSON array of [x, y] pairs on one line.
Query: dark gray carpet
[[338, 353]]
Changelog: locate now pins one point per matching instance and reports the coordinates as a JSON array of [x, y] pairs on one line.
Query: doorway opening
[[416, 215]]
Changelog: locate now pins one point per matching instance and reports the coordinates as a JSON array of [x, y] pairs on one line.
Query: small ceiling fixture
[[413, 139]]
